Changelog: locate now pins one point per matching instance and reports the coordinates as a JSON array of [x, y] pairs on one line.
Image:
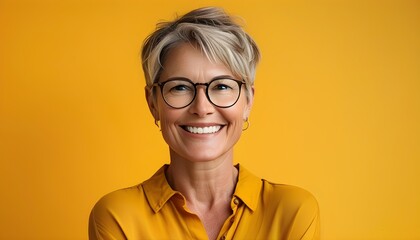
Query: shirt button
[[235, 201], [232, 219], [223, 237]]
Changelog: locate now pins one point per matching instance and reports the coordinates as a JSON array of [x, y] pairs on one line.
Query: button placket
[[234, 208], [234, 204]]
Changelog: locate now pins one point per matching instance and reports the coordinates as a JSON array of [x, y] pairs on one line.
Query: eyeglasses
[[179, 93]]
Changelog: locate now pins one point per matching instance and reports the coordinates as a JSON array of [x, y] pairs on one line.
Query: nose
[[201, 106]]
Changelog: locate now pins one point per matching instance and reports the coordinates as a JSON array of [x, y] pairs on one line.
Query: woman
[[200, 71]]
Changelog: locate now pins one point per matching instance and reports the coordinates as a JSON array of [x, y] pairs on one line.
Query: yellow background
[[337, 109]]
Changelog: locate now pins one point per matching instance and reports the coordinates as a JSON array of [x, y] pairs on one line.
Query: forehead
[[187, 61]]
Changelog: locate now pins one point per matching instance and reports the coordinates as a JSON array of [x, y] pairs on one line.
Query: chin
[[196, 158], [201, 156]]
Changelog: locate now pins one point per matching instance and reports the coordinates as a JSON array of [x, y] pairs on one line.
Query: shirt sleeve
[[307, 220], [103, 225], [313, 231]]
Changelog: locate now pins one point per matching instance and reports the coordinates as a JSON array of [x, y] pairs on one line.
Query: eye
[[178, 88], [221, 87]]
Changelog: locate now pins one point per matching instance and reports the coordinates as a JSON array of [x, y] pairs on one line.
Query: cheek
[[167, 115], [168, 118], [236, 116], [242, 110]]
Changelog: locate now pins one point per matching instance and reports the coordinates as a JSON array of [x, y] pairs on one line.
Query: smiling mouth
[[202, 130]]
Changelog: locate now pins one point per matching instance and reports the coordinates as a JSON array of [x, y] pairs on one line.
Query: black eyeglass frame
[[162, 84]]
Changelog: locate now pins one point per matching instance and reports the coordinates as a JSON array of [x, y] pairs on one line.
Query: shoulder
[[286, 192], [289, 201], [120, 199], [272, 195], [133, 202], [288, 195], [292, 205], [111, 215]]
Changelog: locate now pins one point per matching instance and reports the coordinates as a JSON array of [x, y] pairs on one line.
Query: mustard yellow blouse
[[153, 210]]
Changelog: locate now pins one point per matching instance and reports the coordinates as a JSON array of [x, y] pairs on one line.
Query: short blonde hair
[[211, 30]]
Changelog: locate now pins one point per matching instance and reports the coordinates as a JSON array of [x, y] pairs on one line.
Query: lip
[[202, 128]]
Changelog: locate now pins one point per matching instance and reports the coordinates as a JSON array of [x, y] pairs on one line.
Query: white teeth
[[204, 130]]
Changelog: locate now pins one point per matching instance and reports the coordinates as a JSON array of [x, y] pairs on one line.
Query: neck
[[204, 184]]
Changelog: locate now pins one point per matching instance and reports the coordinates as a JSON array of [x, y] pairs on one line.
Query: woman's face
[[178, 125]]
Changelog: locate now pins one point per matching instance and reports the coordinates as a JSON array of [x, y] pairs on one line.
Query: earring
[[157, 124], [246, 125]]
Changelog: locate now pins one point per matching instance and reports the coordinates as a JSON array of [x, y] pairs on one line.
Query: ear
[[151, 102], [250, 101]]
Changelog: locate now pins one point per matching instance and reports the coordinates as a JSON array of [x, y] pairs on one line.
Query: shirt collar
[[158, 191], [248, 188]]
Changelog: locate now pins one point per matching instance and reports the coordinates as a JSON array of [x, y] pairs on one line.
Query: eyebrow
[[214, 78]]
